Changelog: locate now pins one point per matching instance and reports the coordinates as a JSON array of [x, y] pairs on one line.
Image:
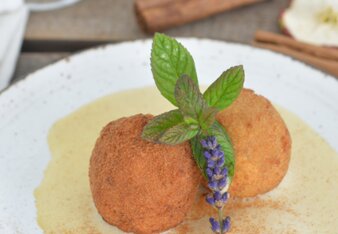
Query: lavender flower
[[217, 181]]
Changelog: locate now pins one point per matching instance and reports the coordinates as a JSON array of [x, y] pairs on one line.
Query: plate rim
[[30, 82], [28, 76]]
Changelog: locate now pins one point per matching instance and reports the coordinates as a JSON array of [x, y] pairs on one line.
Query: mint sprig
[[175, 76], [170, 60]]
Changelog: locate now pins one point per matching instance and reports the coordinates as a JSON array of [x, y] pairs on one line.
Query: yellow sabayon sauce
[[305, 202]]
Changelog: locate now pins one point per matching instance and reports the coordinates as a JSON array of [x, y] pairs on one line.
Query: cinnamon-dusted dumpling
[[140, 186], [261, 142]]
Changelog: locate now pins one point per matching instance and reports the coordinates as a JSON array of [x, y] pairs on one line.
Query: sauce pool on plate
[[306, 201]]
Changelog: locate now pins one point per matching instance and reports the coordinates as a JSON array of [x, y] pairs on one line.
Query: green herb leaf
[[179, 134], [226, 88], [189, 98], [160, 124], [197, 151], [169, 61], [208, 117], [192, 105], [223, 139]]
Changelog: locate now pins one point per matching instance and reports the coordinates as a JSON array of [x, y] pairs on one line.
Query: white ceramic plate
[[29, 108]]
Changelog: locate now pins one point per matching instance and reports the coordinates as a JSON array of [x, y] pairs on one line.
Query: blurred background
[[35, 33]]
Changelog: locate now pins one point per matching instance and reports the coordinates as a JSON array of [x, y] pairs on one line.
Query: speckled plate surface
[[29, 108]]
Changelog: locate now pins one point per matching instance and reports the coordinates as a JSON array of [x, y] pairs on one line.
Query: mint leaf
[[208, 117], [197, 151], [188, 98], [160, 124], [178, 134], [191, 103], [223, 139], [170, 60], [226, 88]]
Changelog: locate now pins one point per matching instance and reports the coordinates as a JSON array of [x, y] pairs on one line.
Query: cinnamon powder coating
[[140, 186], [261, 142]]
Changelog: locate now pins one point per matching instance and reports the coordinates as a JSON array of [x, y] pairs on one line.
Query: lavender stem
[[220, 219], [217, 175]]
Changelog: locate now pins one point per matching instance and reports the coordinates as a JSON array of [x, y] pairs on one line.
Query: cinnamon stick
[[326, 65], [156, 15], [322, 52]]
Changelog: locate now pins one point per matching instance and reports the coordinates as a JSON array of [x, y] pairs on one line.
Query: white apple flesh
[[312, 21]]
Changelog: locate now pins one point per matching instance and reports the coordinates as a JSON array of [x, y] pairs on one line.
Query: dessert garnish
[[194, 119]]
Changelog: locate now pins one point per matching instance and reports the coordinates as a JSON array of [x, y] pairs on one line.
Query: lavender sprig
[[217, 176]]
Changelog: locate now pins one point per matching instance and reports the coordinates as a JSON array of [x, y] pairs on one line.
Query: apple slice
[[312, 21]]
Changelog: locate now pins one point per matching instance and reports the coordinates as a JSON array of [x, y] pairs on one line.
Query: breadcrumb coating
[[261, 142], [140, 186]]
